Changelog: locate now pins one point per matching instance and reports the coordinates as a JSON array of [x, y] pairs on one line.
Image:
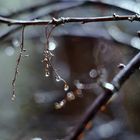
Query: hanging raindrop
[[58, 78], [57, 105], [13, 97], [70, 96], [60, 105], [66, 87], [47, 66], [47, 74]]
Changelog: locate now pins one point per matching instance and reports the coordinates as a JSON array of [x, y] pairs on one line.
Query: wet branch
[[18, 63], [103, 98], [63, 20], [55, 8]]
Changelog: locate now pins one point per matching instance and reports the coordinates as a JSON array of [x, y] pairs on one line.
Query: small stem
[[63, 20], [18, 62]]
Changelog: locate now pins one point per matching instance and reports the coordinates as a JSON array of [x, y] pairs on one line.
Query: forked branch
[[103, 98]]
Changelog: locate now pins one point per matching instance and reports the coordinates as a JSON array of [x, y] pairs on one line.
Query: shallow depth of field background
[[85, 53]]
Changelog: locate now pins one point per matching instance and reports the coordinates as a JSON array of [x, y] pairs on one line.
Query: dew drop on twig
[[57, 105], [121, 66], [13, 97], [58, 78], [60, 104], [47, 74], [66, 86]]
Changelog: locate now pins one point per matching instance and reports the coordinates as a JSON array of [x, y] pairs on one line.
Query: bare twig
[[61, 6], [47, 60], [63, 20], [18, 62], [54, 8], [47, 53], [102, 99]]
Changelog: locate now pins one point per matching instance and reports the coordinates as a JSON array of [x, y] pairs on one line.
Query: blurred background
[[84, 55]]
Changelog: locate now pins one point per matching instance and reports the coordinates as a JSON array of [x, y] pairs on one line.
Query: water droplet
[[108, 86], [66, 87], [70, 96], [60, 105], [57, 105], [47, 74], [13, 97], [121, 66], [58, 78], [52, 45]]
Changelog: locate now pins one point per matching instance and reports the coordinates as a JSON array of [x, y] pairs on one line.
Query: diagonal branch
[[103, 98], [18, 63]]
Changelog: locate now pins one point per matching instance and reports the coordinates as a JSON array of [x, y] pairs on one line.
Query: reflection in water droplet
[[13, 97], [121, 66], [57, 105], [58, 78], [47, 74], [60, 105], [47, 66], [70, 96], [52, 45], [66, 87]]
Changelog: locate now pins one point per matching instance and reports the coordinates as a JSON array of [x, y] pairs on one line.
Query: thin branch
[[63, 20], [61, 6], [17, 64], [47, 60], [103, 98], [58, 7]]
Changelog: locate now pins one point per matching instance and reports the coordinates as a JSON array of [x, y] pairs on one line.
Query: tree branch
[[64, 6], [103, 98], [18, 63], [63, 20]]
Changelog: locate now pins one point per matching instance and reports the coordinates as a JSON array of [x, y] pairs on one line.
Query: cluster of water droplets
[[70, 96], [13, 97], [47, 61], [59, 105], [58, 78]]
